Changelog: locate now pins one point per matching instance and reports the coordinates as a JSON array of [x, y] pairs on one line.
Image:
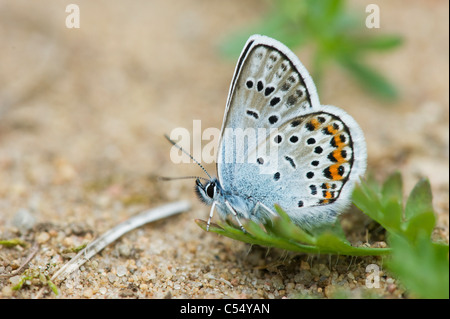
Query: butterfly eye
[[210, 190]]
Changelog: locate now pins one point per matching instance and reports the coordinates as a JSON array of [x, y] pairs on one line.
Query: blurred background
[[83, 110]]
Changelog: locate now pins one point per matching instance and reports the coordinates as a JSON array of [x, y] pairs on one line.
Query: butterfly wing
[[269, 84], [279, 145], [269, 81]]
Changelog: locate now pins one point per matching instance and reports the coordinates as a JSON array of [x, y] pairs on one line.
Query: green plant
[[31, 275], [13, 242], [421, 264], [336, 35], [285, 235], [408, 227]]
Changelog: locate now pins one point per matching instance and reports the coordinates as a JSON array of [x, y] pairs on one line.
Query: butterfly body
[[279, 145], [228, 203]]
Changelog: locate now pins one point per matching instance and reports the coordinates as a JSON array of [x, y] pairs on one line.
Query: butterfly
[[317, 152]]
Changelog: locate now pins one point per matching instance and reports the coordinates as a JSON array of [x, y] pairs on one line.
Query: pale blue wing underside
[[273, 103]]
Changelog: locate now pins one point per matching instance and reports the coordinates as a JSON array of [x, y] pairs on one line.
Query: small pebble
[[277, 282], [43, 237], [143, 287], [315, 271], [112, 278], [303, 277], [88, 293], [304, 265], [121, 271], [149, 275], [124, 250], [324, 271]]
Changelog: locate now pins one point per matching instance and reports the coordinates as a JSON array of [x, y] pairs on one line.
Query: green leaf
[[392, 216], [420, 200], [392, 202], [329, 243], [419, 213], [367, 199], [282, 233], [284, 227], [53, 287], [369, 78], [422, 267], [380, 43], [274, 26], [230, 232], [393, 189], [13, 242], [424, 223], [386, 206]]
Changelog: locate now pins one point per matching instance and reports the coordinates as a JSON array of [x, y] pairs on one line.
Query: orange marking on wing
[[334, 171], [315, 123], [338, 156], [331, 129], [338, 142]]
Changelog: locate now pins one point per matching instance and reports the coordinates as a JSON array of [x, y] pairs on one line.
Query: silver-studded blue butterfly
[[318, 151]]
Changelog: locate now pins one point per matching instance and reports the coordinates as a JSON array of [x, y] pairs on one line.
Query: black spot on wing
[[269, 90], [291, 161], [273, 119], [260, 86], [252, 114], [274, 101]]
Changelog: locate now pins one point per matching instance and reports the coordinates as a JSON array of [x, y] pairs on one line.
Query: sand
[[82, 118]]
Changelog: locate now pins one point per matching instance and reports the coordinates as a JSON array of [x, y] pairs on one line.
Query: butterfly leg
[[262, 211], [211, 213], [227, 203]]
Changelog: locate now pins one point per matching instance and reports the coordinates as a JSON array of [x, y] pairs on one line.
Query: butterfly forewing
[[268, 87]]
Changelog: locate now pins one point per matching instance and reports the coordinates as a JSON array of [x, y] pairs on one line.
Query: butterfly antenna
[[164, 178], [180, 148]]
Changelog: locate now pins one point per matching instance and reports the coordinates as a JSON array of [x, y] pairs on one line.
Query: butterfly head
[[209, 191]]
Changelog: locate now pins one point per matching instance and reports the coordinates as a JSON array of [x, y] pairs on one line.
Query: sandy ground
[[82, 118]]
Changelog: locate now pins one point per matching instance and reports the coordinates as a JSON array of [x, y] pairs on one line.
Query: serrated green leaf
[[330, 243], [423, 267], [228, 231], [368, 201], [424, 222], [420, 200], [283, 227], [393, 189], [392, 216]]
